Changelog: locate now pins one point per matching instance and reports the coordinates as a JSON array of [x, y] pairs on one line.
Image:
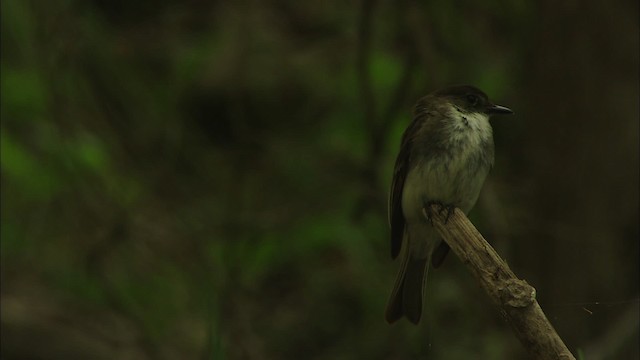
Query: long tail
[[406, 297]]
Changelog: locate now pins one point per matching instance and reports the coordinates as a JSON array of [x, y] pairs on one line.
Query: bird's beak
[[497, 109]]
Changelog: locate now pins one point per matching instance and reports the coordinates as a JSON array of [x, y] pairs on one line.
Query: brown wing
[[400, 170]]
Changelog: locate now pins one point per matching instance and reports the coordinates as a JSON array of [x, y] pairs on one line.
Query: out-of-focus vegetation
[[200, 179]]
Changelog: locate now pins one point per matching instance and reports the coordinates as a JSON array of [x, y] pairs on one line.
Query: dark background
[[208, 179]]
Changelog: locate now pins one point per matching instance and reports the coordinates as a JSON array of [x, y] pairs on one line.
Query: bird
[[445, 155]]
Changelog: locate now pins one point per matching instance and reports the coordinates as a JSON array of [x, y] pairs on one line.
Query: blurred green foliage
[[209, 180]]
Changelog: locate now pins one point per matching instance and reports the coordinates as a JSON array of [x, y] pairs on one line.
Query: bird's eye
[[473, 100]]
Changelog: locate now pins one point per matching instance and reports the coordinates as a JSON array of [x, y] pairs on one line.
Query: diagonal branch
[[515, 298]]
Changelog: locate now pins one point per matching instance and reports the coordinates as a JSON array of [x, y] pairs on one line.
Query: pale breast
[[454, 173]]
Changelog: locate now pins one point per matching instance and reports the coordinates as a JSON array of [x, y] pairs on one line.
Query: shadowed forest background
[[208, 179]]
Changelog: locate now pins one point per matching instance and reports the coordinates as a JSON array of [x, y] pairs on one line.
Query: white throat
[[470, 128]]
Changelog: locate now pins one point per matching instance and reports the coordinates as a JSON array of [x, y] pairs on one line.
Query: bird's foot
[[442, 209]]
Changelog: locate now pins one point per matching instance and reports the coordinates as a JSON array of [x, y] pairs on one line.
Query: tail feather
[[406, 297], [394, 307]]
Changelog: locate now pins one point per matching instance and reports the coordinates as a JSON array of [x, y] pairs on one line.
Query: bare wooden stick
[[515, 298]]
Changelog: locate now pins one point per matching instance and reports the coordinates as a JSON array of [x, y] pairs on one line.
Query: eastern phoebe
[[445, 156]]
